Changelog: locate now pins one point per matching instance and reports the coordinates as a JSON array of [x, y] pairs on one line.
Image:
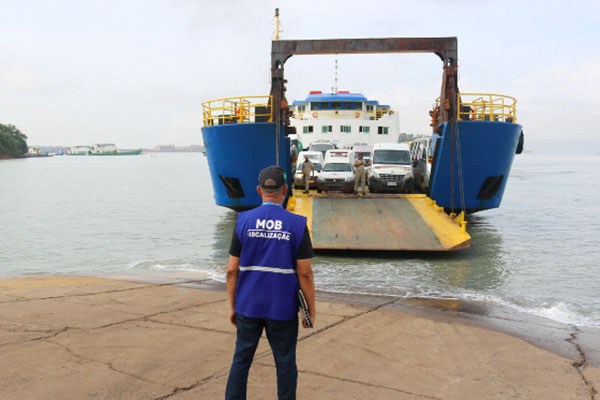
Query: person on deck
[[308, 170], [359, 174]]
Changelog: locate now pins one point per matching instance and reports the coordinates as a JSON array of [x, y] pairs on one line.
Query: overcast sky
[[135, 72]]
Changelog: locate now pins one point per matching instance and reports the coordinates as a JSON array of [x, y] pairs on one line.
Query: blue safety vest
[[267, 284]]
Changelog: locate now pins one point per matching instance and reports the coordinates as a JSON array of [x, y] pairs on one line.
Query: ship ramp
[[383, 222]]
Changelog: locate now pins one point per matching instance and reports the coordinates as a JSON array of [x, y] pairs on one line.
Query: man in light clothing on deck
[[359, 174], [308, 170]]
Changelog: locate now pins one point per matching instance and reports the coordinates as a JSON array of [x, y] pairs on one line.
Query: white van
[[339, 156], [421, 156], [391, 169], [322, 146], [336, 176], [316, 157]]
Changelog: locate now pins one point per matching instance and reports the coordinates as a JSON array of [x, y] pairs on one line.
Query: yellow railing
[[487, 107], [237, 110], [381, 112]]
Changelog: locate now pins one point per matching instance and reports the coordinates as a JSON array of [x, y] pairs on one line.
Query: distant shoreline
[[172, 151]]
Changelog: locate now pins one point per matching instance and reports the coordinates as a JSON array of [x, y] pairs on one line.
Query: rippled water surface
[[154, 213]]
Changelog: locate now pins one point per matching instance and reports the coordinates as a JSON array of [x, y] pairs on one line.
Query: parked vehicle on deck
[[391, 169], [336, 176], [421, 156], [339, 155], [322, 146]]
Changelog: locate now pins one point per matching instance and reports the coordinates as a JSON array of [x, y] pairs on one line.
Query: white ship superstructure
[[81, 150], [344, 118], [104, 148]]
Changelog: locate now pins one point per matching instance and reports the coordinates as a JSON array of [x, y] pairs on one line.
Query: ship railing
[[237, 110], [487, 107], [381, 112]]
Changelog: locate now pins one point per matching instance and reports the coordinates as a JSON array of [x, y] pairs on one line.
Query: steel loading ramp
[[379, 222]]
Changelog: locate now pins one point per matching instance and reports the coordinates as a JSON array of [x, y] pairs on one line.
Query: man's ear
[[258, 190]]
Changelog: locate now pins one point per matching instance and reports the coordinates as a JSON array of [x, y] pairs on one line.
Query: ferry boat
[[474, 140], [79, 150], [35, 152]]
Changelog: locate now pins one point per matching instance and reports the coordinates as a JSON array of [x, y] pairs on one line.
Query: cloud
[[21, 80], [72, 70], [560, 101]]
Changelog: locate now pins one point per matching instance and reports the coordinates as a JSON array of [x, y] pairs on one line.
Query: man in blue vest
[[269, 260]]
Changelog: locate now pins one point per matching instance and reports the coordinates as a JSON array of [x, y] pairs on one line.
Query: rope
[[461, 187], [455, 149], [452, 144]]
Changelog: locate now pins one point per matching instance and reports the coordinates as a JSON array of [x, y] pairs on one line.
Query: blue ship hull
[[480, 155], [236, 153]]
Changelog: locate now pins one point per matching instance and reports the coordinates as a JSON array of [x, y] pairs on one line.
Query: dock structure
[[383, 222]]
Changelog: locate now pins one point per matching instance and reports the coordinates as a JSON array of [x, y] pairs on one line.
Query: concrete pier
[[65, 337]]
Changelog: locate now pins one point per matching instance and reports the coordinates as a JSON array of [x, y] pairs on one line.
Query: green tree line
[[409, 137], [12, 141]]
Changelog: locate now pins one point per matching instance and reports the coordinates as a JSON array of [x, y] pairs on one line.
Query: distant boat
[[33, 152], [79, 150], [102, 149]]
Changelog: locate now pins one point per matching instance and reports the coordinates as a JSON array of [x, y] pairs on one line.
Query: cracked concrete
[[92, 338], [582, 363]]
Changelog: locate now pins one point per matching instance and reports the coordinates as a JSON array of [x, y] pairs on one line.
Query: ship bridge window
[[352, 105], [336, 105], [364, 129], [301, 108], [326, 128], [345, 128], [382, 130], [307, 129], [369, 108]]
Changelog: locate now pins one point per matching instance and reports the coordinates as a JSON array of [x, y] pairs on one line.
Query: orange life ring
[[240, 113], [357, 114], [472, 116], [315, 114]]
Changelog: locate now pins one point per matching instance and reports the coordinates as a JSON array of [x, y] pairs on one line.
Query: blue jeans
[[282, 336]]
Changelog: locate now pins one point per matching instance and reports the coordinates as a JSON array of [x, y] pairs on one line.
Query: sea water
[[155, 214]]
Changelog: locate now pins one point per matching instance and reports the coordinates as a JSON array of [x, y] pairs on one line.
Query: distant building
[[170, 148], [165, 147]]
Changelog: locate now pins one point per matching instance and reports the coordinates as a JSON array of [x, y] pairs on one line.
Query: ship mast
[[277, 95], [334, 89], [276, 34]]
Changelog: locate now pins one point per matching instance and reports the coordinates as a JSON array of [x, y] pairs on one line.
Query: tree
[[12, 141], [408, 137]]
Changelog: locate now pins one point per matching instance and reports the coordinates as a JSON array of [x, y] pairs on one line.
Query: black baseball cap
[[271, 178]]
